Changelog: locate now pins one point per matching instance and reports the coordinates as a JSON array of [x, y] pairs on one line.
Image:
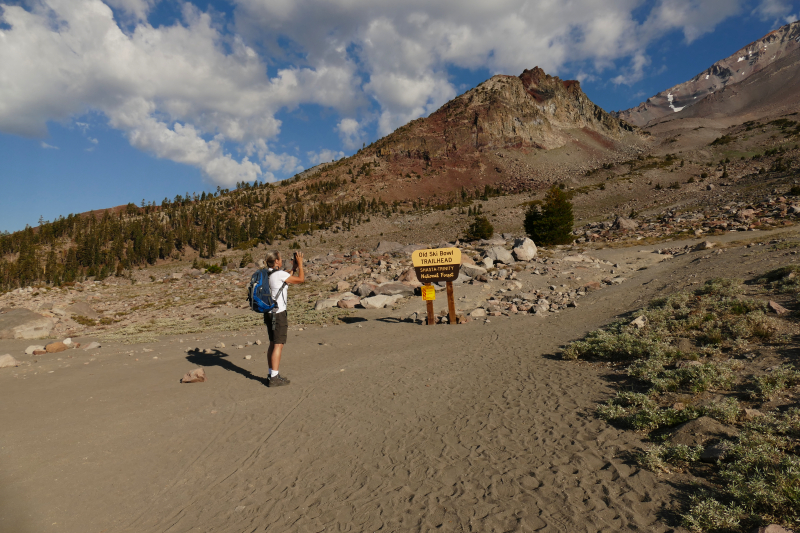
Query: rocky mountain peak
[[753, 66]]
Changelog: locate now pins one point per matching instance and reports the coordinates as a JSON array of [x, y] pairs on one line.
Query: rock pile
[[735, 216]]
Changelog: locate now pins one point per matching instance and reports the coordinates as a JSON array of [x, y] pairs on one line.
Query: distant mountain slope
[[514, 131], [754, 67]]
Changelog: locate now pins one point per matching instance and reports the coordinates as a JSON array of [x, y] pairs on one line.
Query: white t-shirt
[[276, 279]]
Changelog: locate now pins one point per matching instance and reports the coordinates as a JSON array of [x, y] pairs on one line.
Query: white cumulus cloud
[[324, 156], [180, 92]]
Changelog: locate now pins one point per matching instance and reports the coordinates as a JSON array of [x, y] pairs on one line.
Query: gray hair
[[272, 257]]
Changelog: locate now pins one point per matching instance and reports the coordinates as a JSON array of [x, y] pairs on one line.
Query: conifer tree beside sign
[[552, 224]]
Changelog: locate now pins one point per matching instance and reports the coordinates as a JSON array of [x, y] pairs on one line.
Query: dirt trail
[[387, 426]]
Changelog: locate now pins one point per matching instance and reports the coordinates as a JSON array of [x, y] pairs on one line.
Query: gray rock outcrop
[[499, 254], [24, 324]]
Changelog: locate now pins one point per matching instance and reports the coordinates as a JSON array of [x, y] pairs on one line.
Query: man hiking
[[276, 321]]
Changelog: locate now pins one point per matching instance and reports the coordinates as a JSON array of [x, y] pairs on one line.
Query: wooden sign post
[[434, 266]]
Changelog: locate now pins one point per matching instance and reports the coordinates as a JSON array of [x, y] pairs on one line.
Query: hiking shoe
[[277, 381]]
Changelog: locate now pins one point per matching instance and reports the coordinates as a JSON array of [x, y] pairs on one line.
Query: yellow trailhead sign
[[439, 264], [428, 293], [436, 257]]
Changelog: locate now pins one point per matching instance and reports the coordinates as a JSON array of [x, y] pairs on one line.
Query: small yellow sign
[[436, 257], [428, 293]]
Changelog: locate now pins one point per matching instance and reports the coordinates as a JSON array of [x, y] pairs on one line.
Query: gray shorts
[[277, 327]]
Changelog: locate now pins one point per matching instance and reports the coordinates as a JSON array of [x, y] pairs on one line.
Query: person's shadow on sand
[[217, 358]]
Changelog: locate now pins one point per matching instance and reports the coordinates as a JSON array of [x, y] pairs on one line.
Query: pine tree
[[552, 224]]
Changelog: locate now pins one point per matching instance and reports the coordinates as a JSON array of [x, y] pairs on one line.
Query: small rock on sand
[[92, 346], [705, 245], [258, 342], [248, 357], [219, 345], [55, 347], [198, 375], [8, 361], [33, 348]]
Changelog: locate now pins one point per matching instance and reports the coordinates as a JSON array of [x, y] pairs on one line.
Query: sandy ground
[[387, 426]]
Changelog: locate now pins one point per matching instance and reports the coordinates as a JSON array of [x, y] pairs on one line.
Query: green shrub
[[726, 411], [763, 475], [247, 258], [480, 228], [614, 344], [697, 378], [770, 384], [640, 412], [214, 269], [552, 223], [84, 320], [707, 514], [656, 458]]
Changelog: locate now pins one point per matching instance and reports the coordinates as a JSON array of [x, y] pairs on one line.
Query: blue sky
[[105, 102]]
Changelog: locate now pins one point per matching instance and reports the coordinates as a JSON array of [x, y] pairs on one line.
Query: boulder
[[198, 375], [365, 289], [392, 289], [524, 249], [55, 347], [592, 286], [8, 361], [479, 312], [92, 346], [219, 345], [408, 275], [778, 308], [411, 248], [639, 322], [701, 430], [499, 254], [487, 262], [34, 348], [379, 302], [82, 309], [348, 303], [342, 286], [472, 271], [385, 247], [325, 303], [623, 223], [705, 245], [345, 272], [24, 324]]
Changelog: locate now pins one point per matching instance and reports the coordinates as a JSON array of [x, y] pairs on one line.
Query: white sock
[[273, 373]]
